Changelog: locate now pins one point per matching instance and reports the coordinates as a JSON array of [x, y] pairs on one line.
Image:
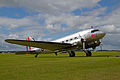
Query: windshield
[[95, 30]]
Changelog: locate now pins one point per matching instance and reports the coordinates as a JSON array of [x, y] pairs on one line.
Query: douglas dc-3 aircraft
[[90, 38]]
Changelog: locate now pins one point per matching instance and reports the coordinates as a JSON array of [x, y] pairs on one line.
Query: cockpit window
[[94, 30]]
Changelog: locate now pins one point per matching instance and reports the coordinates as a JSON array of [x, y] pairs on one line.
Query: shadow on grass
[[65, 56], [48, 57], [100, 56], [68, 56]]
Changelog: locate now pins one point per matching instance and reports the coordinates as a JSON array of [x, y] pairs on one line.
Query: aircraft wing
[[41, 44]]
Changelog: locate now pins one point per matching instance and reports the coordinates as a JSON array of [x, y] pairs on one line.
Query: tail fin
[[28, 48]]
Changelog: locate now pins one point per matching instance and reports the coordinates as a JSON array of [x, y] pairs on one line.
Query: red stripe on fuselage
[[92, 35]]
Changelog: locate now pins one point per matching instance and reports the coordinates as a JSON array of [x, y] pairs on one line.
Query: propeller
[[83, 43], [101, 45]]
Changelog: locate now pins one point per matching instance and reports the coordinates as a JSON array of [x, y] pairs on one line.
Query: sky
[[48, 20]]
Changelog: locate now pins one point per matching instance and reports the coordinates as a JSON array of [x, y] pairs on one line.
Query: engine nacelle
[[93, 44]]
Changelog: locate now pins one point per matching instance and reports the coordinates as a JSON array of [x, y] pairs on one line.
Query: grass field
[[101, 66]]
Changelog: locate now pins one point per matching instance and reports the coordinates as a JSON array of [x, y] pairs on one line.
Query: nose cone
[[102, 34]]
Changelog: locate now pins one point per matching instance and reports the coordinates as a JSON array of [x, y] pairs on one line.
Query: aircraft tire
[[88, 53], [71, 53], [56, 53], [36, 55]]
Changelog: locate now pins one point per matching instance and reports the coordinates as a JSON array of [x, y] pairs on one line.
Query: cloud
[[50, 6], [6, 46], [11, 23], [57, 17], [96, 12], [53, 21], [110, 29]]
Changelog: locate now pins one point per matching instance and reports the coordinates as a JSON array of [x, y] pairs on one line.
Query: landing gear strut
[[71, 53], [36, 55], [56, 53], [88, 53]]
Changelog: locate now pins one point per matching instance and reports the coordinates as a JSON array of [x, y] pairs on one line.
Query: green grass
[[101, 66]]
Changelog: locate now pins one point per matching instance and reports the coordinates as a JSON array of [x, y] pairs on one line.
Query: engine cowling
[[93, 44]]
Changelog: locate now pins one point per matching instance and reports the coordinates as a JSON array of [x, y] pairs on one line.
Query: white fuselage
[[86, 34], [91, 37]]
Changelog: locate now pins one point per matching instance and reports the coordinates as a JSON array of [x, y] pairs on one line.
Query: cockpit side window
[[94, 30]]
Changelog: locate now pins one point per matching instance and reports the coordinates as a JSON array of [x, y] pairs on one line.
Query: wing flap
[[40, 44]]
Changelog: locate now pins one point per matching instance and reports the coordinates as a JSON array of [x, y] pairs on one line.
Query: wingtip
[[7, 40]]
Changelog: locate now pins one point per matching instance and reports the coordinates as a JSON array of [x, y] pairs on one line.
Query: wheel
[[71, 53], [88, 53], [56, 53], [36, 55]]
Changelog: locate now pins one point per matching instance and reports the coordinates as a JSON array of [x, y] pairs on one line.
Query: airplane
[[90, 38]]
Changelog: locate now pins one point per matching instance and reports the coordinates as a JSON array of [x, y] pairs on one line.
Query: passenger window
[[71, 39], [62, 41], [66, 40]]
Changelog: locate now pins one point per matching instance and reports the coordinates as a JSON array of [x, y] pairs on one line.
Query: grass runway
[[100, 66]]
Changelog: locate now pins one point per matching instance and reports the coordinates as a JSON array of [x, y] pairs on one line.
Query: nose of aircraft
[[102, 34]]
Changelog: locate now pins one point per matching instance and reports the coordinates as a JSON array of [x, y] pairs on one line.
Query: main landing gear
[[88, 53], [71, 53]]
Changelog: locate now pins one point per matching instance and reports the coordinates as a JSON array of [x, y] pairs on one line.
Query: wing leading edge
[[41, 44]]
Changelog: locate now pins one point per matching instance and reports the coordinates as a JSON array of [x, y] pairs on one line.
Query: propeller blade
[[83, 43], [101, 45]]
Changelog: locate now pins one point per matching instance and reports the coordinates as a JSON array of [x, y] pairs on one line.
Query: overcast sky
[[52, 19]]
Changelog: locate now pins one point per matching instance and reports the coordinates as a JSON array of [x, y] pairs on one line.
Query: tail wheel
[[56, 53], [71, 53], [36, 55]]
